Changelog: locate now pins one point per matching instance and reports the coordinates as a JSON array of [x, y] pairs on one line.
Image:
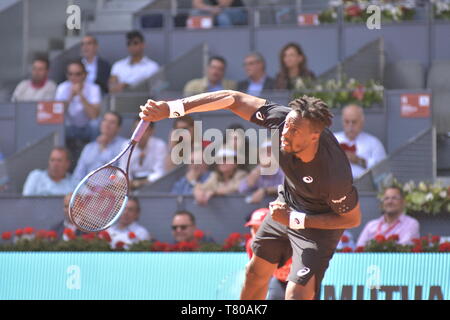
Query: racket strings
[[99, 199]]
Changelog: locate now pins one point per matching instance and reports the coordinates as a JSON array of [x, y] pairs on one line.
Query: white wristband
[[176, 108], [297, 220]]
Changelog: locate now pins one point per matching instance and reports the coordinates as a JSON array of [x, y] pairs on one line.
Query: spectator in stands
[[107, 145], [127, 229], [82, 105], [98, 69], [147, 160], [183, 226], [236, 140], [226, 13], [134, 69], [257, 81], [62, 227], [223, 180], [56, 180], [293, 68], [213, 81], [394, 221], [278, 282], [362, 149], [197, 172], [187, 123], [259, 185], [39, 87]]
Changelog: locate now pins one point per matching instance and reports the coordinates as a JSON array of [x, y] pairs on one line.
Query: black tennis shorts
[[311, 249]]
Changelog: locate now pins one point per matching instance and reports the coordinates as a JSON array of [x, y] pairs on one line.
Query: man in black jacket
[[98, 69]]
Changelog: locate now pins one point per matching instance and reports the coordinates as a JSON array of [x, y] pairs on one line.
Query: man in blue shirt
[[103, 149]]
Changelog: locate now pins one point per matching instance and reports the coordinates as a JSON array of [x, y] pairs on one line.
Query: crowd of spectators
[[92, 135]]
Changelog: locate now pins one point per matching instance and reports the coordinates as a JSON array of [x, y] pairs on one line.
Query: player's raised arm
[[244, 105]]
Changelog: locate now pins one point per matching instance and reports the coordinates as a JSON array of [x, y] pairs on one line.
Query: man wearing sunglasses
[[183, 226], [134, 69]]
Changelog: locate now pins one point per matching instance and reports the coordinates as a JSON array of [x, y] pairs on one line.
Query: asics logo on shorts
[[308, 179], [303, 272], [259, 116]]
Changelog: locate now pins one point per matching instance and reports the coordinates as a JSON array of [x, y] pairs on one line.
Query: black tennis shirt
[[322, 185]]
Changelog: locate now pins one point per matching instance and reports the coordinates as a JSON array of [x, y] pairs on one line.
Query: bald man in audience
[[363, 150]]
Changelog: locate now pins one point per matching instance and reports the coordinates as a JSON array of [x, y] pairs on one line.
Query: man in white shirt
[[147, 160], [394, 221], [39, 87], [56, 180], [107, 145], [363, 150], [127, 230], [134, 69], [82, 105]]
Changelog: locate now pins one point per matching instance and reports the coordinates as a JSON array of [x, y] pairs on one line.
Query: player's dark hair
[[313, 109], [187, 213], [135, 35], [218, 58]]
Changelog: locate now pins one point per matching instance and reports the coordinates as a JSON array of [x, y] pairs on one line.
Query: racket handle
[[140, 129]]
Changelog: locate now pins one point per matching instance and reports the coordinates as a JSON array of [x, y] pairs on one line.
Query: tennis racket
[[100, 198]]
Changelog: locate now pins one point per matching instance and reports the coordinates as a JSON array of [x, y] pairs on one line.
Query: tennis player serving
[[317, 202]]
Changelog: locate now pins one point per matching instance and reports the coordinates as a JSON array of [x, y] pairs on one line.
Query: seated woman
[[223, 180], [226, 13], [293, 67]]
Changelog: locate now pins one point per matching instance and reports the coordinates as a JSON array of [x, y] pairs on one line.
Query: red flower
[[104, 235], [359, 249], [160, 246], [52, 234], [28, 230], [416, 241], [88, 236], [417, 248], [247, 236], [120, 244], [19, 232], [6, 235], [425, 239], [435, 239], [347, 249], [41, 234], [199, 234], [345, 239], [444, 247], [380, 238], [353, 11], [69, 233], [358, 93], [394, 237], [131, 235]]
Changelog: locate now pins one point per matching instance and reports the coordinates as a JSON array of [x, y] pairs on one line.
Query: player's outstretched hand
[[154, 110], [279, 212]]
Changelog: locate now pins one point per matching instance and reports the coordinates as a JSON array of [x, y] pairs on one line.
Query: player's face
[[393, 203], [296, 135]]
